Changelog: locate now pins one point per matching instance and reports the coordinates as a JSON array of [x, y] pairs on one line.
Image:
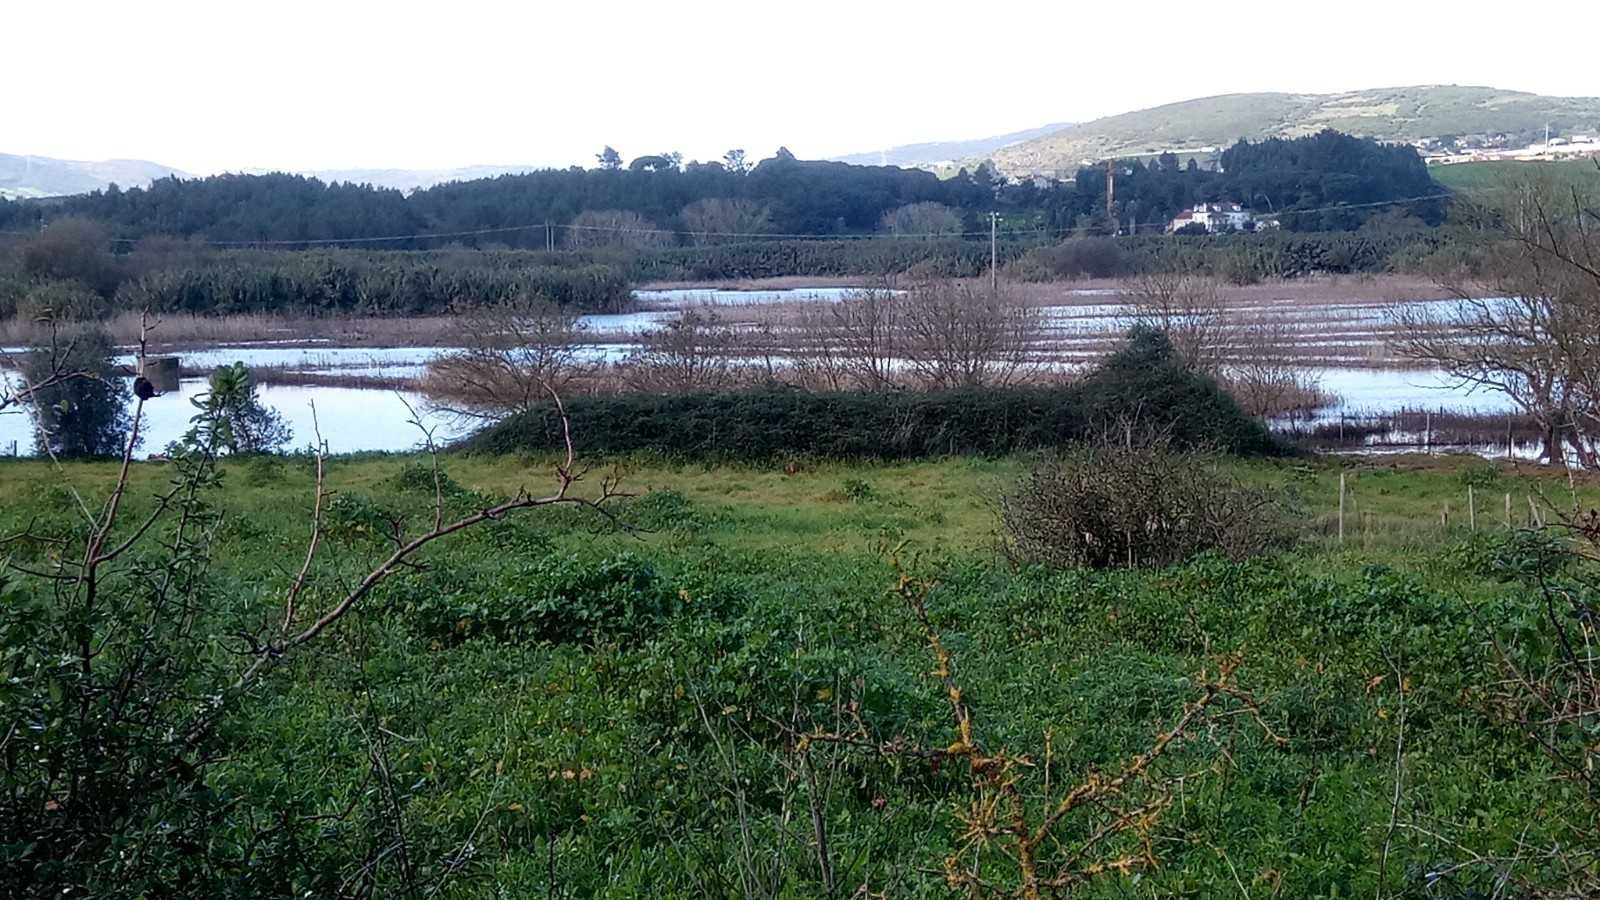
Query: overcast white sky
[[229, 84]]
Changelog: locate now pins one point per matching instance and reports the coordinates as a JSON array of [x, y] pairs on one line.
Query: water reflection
[[353, 420]]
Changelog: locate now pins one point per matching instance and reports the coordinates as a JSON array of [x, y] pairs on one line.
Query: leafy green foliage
[[86, 414], [557, 599], [620, 714], [232, 408]]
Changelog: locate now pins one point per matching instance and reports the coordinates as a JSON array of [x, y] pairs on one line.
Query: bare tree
[[716, 220], [1264, 376], [961, 336], [513, 354], [817, 361], [1188, 307], [925, 219], [691, 353], [1525, 321], [615, 229], [852, 342]]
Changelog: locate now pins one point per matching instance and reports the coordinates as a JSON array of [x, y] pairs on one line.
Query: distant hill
[[935, 152], [1402, 114], [41, 176]]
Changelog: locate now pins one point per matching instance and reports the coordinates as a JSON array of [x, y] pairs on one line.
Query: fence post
[[1472, 510], [1508, 509], [1444, 515], [1341, 509]]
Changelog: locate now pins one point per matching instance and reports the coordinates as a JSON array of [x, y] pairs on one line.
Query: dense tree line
[[70, 270], [782, 195], [1286, 177], [659, 201]]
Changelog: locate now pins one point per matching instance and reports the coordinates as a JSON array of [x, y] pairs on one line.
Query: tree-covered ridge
[[1397, 114], [1298, 180], [657, 201]]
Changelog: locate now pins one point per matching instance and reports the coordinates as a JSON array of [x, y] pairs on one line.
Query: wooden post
[[1472, 510], [1508, 509], [1341, 508], [1533, 514], [1444, 515], [1427, 430], [162, 372]]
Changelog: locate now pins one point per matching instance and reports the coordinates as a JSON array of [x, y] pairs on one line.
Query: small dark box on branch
[[159, 374]]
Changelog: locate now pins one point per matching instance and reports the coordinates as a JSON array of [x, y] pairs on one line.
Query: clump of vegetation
[[1145, 378], [557, 599], [1109, 505], [79, 399], [661, 511], [857, 491], [233, 408], [1148, 380]]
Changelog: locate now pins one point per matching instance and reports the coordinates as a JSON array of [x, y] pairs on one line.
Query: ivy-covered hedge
[[1141, 383]]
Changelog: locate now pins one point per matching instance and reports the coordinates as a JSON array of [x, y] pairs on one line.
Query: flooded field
[[1344, 344]]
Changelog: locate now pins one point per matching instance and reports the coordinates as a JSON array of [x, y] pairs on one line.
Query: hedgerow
[[1143, 381]]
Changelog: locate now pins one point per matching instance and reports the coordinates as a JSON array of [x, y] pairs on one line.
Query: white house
[[1215, 217]]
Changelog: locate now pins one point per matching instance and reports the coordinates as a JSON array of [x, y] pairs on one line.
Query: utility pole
[[1111, 192], [994, 254]]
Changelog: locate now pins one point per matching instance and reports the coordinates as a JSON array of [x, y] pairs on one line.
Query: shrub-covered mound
[[1143, 381]]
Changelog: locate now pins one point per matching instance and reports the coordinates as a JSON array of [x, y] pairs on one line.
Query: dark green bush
[[555, 599], [356, 519], [661, 511]]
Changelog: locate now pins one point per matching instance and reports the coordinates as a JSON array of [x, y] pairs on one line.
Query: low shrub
[[555, 599], [1101, 505], [661, 511]]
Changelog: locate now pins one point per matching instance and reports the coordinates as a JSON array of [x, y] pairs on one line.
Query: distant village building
[[1220, 217]]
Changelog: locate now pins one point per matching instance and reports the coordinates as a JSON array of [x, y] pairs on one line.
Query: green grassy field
[[556, 706], [1484, 176]]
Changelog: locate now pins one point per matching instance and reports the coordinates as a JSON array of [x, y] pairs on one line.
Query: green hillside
[[1389, 114], [1479, 176]]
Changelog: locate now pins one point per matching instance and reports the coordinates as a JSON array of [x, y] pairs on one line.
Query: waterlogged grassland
[[597, 711]]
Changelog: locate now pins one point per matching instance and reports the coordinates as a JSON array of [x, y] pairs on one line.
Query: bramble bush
[[1107, 504]]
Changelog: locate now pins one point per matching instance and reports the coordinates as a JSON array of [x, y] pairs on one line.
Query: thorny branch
[[1002, 814]]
